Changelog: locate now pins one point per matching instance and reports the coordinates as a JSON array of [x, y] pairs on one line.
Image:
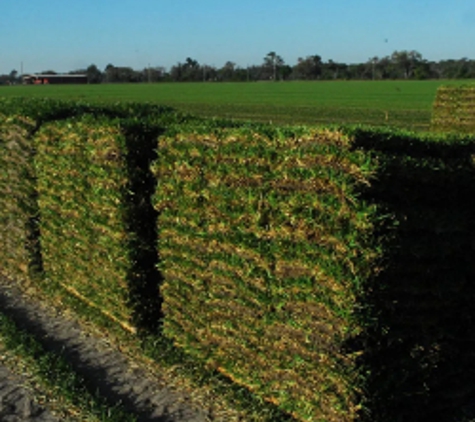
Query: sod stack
[[327, 271], [75, 192], [18, 216], [453, 109], [421, 363], [263, 250], [98, 228], [81, 178]]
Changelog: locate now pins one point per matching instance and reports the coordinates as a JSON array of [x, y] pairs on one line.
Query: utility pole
[[274, 63]]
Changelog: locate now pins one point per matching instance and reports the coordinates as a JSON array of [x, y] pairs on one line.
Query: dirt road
[[114, 375]]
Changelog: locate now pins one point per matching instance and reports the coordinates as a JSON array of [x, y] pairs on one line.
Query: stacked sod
[[19, 235], [18, 216], [419, 355], [329, 271], [122, 141], [453, 109], [95, 216], [81, 180], [316, 267], [265, 250]]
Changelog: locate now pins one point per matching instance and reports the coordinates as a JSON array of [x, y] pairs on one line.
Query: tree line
[[398, 65]]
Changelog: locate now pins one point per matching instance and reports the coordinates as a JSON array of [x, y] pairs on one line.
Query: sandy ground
[[17, 403], [112, 373]]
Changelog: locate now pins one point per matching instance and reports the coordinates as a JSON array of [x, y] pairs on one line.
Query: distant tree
[[272, 66], [386, 69], [110, 73], [463, 68], [210, 73], [285, 72], [13, 77], [406, 62], [230, 72], [256, 73], [448, 69], [176, 72], [361, 71], [127, 74], [424, 70], [330, 70], [378, 68], [192, 71], [242, 74], [399, 65], [226, 73], [371, 68], [115, 74], [189, 71], [309, 68], [154, 74], [4, 79], [94, 75]]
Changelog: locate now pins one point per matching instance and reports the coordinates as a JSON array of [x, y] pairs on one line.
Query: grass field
[[405, 104]]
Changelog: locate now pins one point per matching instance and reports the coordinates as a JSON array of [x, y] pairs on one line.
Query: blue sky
[[65, 35]]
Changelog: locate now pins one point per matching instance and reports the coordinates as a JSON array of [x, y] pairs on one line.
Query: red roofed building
[[38, 79]]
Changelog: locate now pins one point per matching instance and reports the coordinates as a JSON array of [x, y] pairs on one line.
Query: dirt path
[[17, 403], [112, 373]]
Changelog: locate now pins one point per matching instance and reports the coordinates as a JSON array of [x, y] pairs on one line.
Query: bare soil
[[114, 375], [18, 403]]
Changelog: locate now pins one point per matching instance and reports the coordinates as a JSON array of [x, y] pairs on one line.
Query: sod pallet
[[18, 215], [136, 127], [422, 300], [237, 215], [453, 109], [95, 218], [324, 270], [20, 118]]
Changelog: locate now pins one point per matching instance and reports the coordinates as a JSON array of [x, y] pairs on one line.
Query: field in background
[[405, 104]]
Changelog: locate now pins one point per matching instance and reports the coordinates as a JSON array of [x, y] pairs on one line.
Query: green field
[[404, 104]]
